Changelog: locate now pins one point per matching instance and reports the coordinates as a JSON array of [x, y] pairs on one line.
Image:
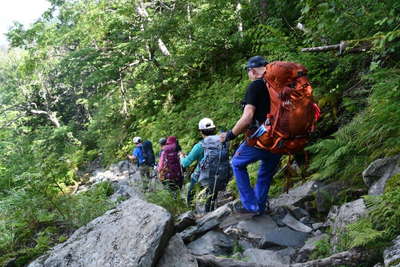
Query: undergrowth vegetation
[[381, 225], [26, 212]]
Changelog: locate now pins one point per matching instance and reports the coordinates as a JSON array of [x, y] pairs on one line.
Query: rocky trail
[[137, 233]]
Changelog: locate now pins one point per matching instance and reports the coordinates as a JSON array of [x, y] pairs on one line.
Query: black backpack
[[148, 153]]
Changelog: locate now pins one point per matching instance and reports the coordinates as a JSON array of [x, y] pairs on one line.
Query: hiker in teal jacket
[[196, 154], [206, 127]]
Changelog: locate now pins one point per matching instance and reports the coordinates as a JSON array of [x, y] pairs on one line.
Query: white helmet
[[137, 139], [206, 123]]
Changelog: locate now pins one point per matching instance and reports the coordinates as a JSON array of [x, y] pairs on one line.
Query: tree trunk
[[263, 10], [240, 22], [141, 9]]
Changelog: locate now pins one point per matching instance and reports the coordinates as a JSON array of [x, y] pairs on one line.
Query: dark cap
[[162, 141], [255, 62]]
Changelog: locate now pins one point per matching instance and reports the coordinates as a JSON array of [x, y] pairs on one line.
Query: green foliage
[[322, 249], [370, 135], [393, 183], [169, 200], [31, 222], [380, 226]]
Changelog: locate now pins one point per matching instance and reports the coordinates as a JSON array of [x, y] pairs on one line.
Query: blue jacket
[[138, 154]]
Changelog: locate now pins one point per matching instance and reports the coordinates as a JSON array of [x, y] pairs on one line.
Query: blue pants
[[254, 199]]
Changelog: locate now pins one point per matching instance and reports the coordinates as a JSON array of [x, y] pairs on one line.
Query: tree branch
[[50, 115], [342, 47]]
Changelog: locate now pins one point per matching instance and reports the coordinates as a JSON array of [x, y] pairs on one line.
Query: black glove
[[230, 136]]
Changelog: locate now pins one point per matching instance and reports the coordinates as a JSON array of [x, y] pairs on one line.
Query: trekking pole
[[216, 177], [129, 168]]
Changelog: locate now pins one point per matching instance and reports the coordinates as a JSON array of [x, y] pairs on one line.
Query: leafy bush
[[322, 249], [370, 135], [31, 223], [170, 200]]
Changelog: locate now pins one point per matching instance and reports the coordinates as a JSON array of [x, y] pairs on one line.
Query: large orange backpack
[[293, 114]]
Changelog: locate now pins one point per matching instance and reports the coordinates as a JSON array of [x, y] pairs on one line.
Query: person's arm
[[132, 156], [194, 155], [242, 124], [135, 154]]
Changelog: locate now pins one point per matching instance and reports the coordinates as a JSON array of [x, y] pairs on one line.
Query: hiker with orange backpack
[[169, 168], [278, 115]]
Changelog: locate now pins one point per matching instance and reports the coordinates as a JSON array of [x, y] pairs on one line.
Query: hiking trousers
[[254, 200], [144, 171]]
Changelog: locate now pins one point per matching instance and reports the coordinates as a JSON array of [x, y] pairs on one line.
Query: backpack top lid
[[211, 141], [171, 140]]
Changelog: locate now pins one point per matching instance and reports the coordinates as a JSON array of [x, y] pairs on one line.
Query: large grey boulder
[[379, 172], [133, 234], [391, 255], [252, 230], [268, 257], [213, 242], [340, 217], [296, 196], [177, 255]]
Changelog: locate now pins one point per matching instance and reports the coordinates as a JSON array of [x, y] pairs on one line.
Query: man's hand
[[181, 154], [222, 137]]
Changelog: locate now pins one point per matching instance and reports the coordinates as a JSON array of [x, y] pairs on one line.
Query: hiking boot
[[238, 209], [264, 212]]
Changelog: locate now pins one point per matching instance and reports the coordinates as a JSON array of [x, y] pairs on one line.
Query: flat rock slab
[[208, 222], [297, 195], [283, 237], [253, 229], [269, 257], [133, 234], [177, 255], [213, 242], [291, 222], [192, 232], [184, 221]]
